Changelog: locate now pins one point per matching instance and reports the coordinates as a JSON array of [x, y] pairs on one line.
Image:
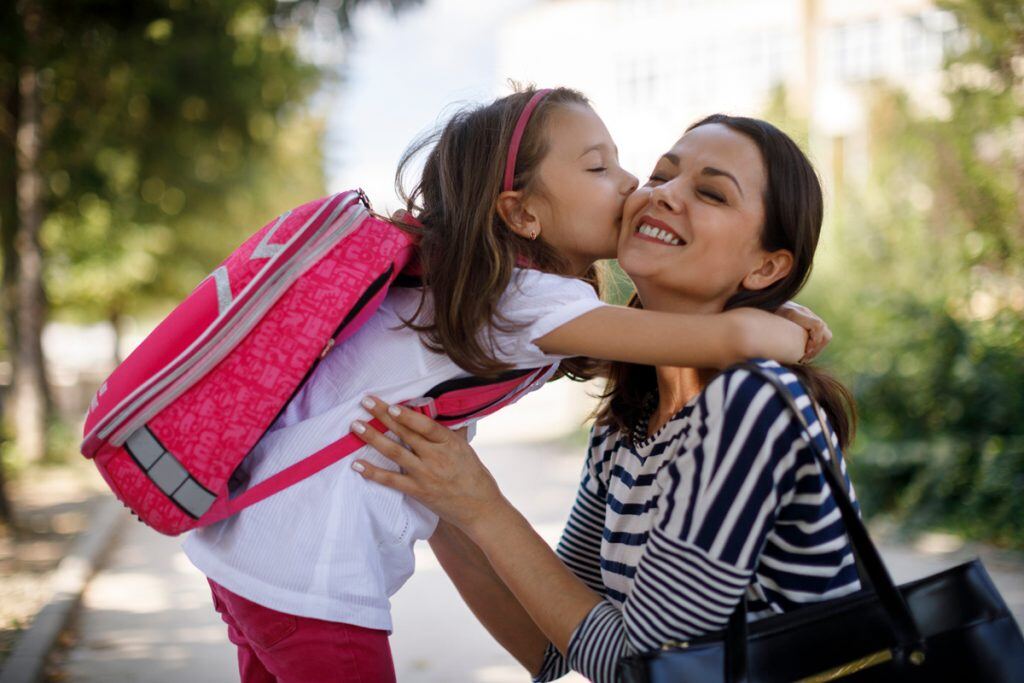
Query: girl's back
[[336, 546]]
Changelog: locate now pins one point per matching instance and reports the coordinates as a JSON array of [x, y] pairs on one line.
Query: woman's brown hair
[[467, 254], [793, 210]]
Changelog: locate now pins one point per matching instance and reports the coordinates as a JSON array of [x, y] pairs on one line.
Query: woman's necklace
[[641, 426]]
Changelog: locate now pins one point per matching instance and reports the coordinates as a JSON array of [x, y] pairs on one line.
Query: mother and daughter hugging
[[698, 487]]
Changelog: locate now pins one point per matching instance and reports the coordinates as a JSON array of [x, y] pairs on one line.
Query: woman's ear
[[512, 208], [773, 267]]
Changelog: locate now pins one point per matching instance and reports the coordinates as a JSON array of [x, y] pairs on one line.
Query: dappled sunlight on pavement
[[148, 616], [437, 639]]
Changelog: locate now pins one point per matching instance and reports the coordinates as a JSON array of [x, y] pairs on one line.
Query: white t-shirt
[[336, 546]]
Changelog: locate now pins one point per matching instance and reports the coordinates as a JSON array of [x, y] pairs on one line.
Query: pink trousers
[[274, 647]]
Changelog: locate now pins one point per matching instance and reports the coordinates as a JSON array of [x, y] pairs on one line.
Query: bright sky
[[404, 75]]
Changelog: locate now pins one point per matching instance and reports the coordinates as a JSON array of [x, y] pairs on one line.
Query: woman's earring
[[533, 234]]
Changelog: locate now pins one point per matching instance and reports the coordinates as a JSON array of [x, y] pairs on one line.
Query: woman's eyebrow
[[711, 171]]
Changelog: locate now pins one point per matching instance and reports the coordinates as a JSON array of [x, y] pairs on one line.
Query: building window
[[926, 37], [855, 52], [641, 80]]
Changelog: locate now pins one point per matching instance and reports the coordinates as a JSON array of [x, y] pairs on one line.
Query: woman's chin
[[636, 267]]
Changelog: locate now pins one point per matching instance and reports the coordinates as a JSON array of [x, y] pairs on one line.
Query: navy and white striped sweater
[[727, 497]]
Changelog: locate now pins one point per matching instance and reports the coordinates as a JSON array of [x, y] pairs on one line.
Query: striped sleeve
[[598, 643], [580, 545], [722, 493]]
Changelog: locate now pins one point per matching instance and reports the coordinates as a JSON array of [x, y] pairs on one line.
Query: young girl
[[516, 201]]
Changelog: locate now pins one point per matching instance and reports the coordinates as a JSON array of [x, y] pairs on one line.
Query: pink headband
[[517, 137]]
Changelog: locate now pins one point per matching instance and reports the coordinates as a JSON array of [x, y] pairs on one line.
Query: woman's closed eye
[[711, 195], [598, 169]]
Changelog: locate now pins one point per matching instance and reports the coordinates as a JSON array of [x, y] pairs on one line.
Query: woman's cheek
[[635, 202]]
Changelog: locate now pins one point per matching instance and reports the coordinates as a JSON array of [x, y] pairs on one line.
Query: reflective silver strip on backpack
[[164, 470]]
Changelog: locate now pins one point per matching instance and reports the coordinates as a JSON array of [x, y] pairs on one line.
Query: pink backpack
[[174, 420]]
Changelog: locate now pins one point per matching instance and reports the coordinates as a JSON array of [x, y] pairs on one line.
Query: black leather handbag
[[951, 626]]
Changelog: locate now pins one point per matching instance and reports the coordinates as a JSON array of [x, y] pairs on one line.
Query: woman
[[697, 488]]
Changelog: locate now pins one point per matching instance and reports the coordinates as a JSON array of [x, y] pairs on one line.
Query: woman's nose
[[665, 196]]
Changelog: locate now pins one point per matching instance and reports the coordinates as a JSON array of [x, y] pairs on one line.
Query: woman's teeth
[[659, 234]]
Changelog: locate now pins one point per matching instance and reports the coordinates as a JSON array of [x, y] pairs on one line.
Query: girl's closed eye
[[598, 169]]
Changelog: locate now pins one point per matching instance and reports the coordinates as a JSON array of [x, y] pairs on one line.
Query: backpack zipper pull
[[364, 199]]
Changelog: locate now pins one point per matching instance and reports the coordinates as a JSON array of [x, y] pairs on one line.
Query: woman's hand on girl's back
[[439, 467]]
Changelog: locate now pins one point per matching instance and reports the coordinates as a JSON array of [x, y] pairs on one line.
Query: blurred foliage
[[168, 131], [165, 123], [172, 129], [923, 285], [616, 287]]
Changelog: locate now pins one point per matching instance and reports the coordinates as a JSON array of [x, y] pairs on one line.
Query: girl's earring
[[533, 234]]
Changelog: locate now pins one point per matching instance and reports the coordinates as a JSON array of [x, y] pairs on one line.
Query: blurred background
[[140, 142]]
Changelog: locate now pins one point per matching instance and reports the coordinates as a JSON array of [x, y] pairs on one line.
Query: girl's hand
[[761, 334], [818, 334], [439, 468]]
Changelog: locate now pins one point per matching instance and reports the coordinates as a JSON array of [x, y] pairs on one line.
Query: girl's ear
[[773, 267], [512, 208]]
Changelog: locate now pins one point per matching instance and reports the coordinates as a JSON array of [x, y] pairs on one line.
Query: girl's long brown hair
[[467, 254], [793, 210]]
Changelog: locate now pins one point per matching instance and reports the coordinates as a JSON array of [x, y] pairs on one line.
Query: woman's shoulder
[[743, 443], [742, 408], [740, 388], [742, 403]]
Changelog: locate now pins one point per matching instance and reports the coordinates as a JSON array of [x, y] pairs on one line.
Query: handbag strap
[[862, 572], [736, 643], [904, 627]]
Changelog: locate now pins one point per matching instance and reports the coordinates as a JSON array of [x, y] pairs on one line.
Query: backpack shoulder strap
[[461, 400]]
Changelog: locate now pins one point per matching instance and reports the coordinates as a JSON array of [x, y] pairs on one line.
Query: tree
[[121, 125], [929, 295]]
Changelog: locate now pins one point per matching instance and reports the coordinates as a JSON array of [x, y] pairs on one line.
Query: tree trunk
[[8, 255], [30, 400], [9, 261], [9, 288], [6, 511], [8, 231]]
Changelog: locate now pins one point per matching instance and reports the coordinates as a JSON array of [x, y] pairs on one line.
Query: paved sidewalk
[[147, 617]]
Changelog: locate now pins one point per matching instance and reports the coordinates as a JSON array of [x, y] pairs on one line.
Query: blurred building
[[651, 67]]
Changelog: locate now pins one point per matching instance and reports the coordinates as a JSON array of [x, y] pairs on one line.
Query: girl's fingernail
[[358, 427], [394, 411], [368, 403], [358, 466]]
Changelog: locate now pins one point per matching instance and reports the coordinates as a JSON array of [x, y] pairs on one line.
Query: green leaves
[[150, 126], [925, 291]]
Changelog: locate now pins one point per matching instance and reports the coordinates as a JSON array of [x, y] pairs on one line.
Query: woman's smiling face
[[694, 228]]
